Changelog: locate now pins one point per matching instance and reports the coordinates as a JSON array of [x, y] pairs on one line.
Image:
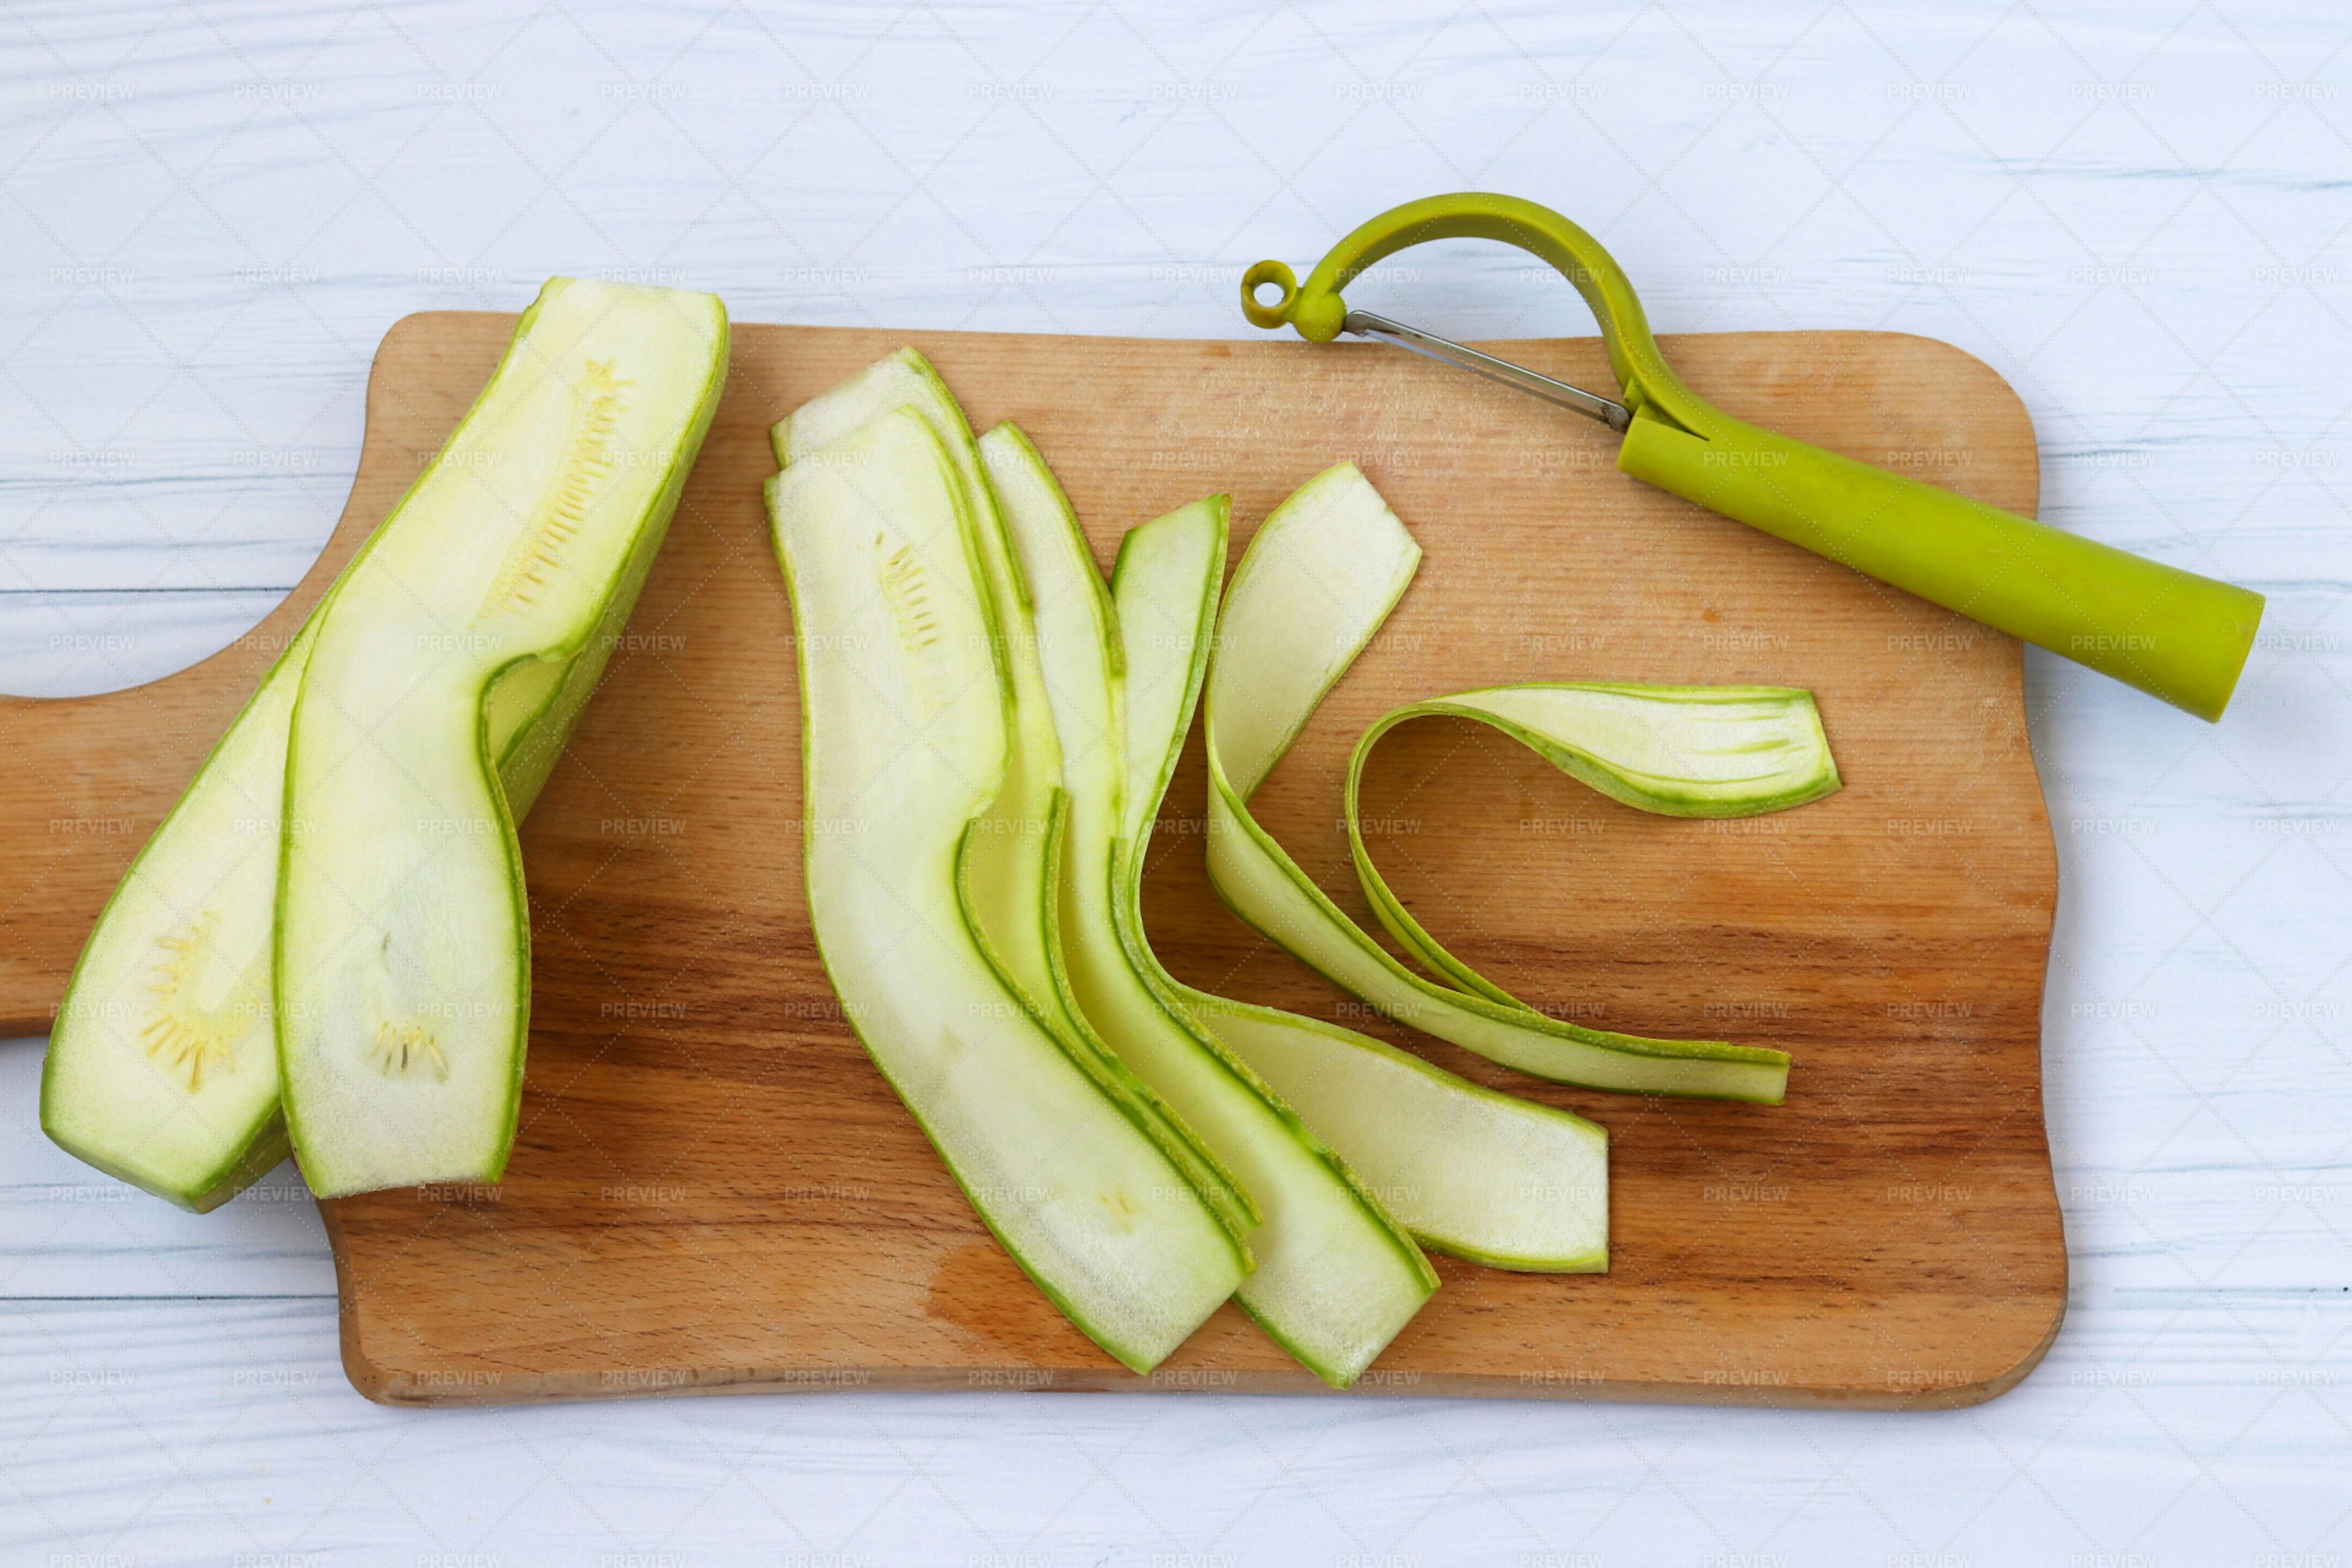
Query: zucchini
[[1336, 1277], [163, 1067], [1323, 573], [908, 736], [1674, 751], [1009, 864], [1008, 880], [1471, 1172], [449, 664]]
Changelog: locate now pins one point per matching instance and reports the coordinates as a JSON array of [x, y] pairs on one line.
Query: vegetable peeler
[[2172, 633]]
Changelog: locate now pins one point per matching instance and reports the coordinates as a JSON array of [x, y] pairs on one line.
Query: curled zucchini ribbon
[[1318, 582], [1464, 1169]]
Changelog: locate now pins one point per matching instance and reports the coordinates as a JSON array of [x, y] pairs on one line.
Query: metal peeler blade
[[1591, 405]]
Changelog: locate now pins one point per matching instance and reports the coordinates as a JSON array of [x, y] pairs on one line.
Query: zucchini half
[[162, 1069]]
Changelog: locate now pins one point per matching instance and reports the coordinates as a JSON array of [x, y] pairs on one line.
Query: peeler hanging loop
[[1279, 274]]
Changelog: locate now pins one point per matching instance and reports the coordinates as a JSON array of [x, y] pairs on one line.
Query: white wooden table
[[211, 219]]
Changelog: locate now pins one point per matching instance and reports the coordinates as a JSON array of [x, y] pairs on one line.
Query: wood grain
[[713, 1188]]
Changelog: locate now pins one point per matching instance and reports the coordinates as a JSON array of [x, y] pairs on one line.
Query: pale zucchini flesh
[[487, 598], [1335, 1277], [162, 1068], [1323, 573], [905, 743]]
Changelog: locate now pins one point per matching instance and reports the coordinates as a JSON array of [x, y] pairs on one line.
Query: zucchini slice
[[909, 730], [1473, 1173], [1321, 576], [1674, 751], [483, 612], [1008, 875], [1336, 1277], [163, 1067], [1010, 862], [1469, 1171]]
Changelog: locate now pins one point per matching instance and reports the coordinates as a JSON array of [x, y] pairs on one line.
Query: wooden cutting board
[[713, 1189]]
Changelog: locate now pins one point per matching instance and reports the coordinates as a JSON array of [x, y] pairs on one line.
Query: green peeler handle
[[2172, 633]]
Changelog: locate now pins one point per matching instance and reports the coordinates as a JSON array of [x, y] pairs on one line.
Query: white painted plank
[[2139, 219], [67, 1231], [235, 1417], [76, 643]]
